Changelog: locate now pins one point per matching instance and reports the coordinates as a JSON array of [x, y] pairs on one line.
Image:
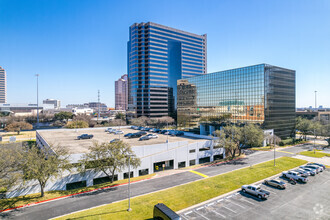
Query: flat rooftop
[[68, 138]]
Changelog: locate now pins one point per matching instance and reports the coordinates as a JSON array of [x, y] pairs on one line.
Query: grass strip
[[180, 197], [32, 198], [317, 154]]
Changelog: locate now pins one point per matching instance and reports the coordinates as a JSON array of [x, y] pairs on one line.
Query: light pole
[[274, 147], [314, 126], [37, 75], [129, 183]]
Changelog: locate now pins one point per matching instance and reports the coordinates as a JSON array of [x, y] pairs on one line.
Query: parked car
[[163, 131], [139, 128], [318, 164], [144, 138], [311, 171], [294, 175], [303, 172], [107, 129], [156, 130], [276, 183], [315, 168], [134, 135], [176, 133], [142, 132], [112, 131], [128, 134], [152, 135], [256, 191], [114, 140], [85, 136], [133, 127], [119, 132]]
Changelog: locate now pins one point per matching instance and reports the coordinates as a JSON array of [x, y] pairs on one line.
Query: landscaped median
[[317, 154], [31, 199], [184, 196]]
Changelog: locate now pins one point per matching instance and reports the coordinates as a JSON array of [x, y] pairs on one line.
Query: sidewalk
[[323, 160]]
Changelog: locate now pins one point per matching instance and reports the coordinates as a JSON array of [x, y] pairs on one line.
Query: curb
[[66, 196]]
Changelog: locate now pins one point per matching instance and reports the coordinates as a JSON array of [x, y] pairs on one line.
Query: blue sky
[[79, 46]]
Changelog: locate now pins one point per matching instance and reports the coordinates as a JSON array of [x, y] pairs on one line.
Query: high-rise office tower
[[55, 102], [3, 90], [157, 57], [121, 93]]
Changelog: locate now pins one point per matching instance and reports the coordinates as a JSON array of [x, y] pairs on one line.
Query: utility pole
[[274, 146], [98, 100], [129, 183], [314, 127], [37, 75]]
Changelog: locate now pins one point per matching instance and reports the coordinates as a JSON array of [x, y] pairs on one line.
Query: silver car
[[276, 183], [256, 191]]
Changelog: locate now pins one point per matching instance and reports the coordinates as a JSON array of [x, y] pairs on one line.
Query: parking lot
[[300, 201], [68, 138]]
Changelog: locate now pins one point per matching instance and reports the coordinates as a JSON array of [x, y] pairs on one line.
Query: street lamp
[[129, 183], [37, 75], [314, 126]]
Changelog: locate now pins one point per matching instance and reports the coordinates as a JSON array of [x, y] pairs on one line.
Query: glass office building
[[157, 57], [261, 94]]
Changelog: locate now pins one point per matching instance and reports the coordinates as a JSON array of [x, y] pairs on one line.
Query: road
[[89, 200]]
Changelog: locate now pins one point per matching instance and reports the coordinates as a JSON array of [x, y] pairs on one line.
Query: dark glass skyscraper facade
[[262, 94], [157, 57]]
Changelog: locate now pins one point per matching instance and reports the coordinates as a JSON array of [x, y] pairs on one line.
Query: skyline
[[66, 41]]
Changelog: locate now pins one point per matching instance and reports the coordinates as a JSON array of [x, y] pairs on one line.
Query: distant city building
[[320, 115], [55, 102], [23, 109], [93, 105], [121, 93], [3, 86], [261, 94], [157, 57], [86, 111]]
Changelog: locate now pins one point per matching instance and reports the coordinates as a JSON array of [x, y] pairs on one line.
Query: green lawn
[[184, 196], [317, 154], [22, 200]]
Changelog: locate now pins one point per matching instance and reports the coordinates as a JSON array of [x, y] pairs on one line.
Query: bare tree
[[18, 126]]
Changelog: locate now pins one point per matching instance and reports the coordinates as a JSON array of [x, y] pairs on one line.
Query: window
[[192, 151]]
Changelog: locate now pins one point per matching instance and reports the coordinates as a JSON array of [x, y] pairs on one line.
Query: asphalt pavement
[[84, 201], [300, 201]]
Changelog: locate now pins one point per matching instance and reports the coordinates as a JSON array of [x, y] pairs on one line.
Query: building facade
[[3, 86], [157, 57], [121, 93], [55, 102], [261, 94]]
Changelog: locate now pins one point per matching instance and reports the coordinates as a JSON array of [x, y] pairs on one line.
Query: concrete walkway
[[323, 160]]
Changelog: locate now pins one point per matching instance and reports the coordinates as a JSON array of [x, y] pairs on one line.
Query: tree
[[86, 118], [121, 116], [141, 121], [77, 124], [10, 158], [63, 116], [165, 120], [109, 158], [232, 137], [43, 164], [326, 133], [304, 126], [316, 127], [18, 126]]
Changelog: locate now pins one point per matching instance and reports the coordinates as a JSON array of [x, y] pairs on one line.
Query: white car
[[119, 132], [153, 135], [112, 131], [294, 175]]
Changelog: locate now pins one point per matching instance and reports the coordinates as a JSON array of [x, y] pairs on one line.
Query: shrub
[[77, 124]]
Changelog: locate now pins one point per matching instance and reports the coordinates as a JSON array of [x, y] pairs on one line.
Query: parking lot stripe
[[210, 204], [200, 208], [202, 215], [229, 209], [220, 200], [187, 213], [218, 213], [271, 191], [198, 173], [247, 201], [237, 204]]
